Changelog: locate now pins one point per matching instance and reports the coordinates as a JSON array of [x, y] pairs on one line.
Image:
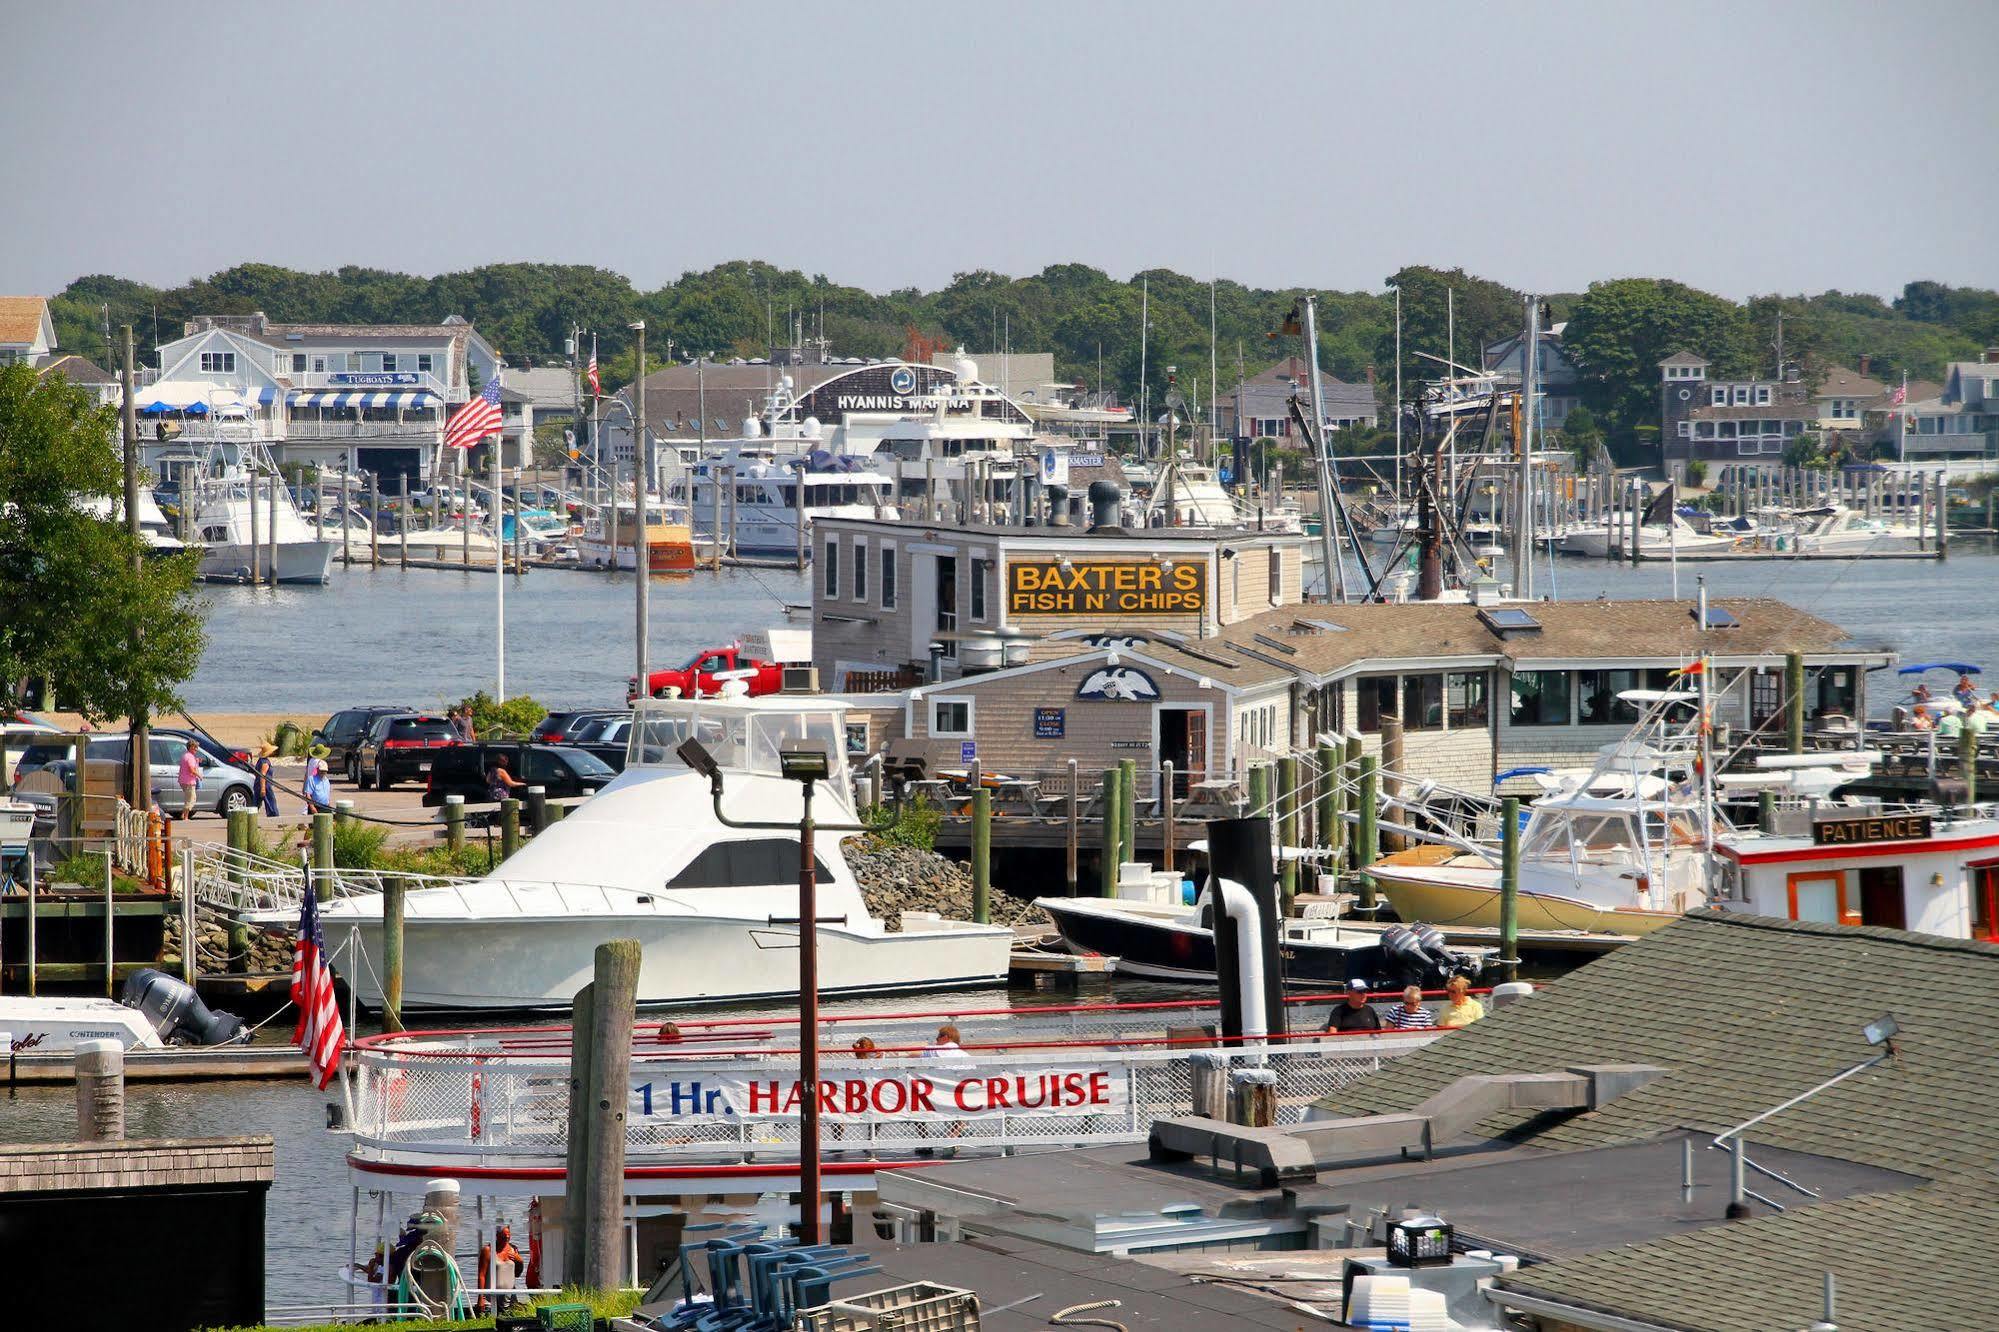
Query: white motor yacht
[[1674, 536], [647, 859], [1834, 529], [155, 529]]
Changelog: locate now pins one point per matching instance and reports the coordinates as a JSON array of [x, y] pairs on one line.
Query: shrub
[[916, 828], [291, 740], [358, 845], [496, 720]]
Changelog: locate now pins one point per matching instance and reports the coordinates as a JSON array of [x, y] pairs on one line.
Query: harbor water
[[426, 636]]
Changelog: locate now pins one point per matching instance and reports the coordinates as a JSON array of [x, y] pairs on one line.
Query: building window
[[1762, 395], [1541, 698], [1276, 567], [1598, 699], [860, 569], [888, 578], [1377, 696], [218, 363], [298, 363], [319, 365], [832, 568], [950, 717], [1718, 395], [423, 362], [1464, 699], [1703, 430], [1685, 429], [979, 568], [388, 363], [1422, 702]]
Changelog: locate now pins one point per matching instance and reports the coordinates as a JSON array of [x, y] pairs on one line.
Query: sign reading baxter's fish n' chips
[[1106, 587]]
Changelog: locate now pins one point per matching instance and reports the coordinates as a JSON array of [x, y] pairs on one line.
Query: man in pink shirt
[[190, 778]]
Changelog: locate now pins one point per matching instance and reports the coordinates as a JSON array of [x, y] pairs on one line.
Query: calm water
[[425, 636]]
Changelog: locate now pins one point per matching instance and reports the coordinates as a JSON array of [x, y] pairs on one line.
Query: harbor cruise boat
[[647, 859]]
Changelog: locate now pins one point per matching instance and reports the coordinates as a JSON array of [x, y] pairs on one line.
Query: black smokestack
[[1105, 496]]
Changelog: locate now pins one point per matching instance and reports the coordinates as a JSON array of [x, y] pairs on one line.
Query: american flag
[[1899, 396], [476, 419], [319, 1032], [596, 385]]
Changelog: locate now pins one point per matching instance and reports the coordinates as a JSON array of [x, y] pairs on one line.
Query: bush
[[290, 739], [358, 845], [495, 720], [917, 828], [1696, 472]]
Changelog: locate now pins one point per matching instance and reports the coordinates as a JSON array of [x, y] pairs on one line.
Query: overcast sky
[[1741, 147]]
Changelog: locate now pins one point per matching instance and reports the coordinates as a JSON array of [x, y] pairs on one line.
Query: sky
[[1742, 147]]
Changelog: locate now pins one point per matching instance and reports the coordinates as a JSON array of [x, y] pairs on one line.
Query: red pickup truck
[[708, 670]]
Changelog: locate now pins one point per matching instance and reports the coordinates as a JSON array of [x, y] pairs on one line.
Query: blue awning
[[1961, 667], [398, 399]]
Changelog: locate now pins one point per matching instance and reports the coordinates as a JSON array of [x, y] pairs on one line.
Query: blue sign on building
[[384, 379]]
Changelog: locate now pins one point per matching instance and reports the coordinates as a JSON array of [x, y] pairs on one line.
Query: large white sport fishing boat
[[647, 859], [1623, 849]]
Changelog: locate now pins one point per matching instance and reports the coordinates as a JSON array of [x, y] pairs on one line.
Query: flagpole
[[1902, 420], [499, 568], [353, 1016]]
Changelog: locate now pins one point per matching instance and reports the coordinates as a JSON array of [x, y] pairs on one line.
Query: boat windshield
[[741, 738], [1592, 834]]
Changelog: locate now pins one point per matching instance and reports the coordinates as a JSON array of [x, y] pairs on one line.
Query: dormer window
[[1719, 397], [1762, 395]]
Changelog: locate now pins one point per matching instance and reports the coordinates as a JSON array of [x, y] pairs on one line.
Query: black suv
[[557, 769], [605, 737], [343, 732], [401, 745]]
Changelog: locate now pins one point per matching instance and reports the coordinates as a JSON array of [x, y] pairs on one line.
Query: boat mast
[[1523, 512], [1396, 508], [1328, 538]]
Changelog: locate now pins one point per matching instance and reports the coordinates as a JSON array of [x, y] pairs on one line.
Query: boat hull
[[1166, 950], [1458, 897], [298, 562], [457, 964]]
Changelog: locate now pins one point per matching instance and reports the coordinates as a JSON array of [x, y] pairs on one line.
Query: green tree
[[1581, 434], [1621, 330], [113, 640]]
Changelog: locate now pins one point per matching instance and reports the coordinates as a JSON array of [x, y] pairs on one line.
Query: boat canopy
[[1961, 667], [743, 734]]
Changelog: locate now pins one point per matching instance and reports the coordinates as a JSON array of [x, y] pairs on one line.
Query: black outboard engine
[[1416, 955], [177, 1013]]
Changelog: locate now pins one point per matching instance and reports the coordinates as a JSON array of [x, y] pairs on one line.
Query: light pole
[[641, 545], [808, 767]]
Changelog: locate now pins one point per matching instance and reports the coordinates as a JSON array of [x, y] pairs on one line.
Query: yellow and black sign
[[1878, 828], [1106, 587]]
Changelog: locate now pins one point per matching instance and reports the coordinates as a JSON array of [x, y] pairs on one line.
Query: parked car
[[605, 737], [400, 746], [343, 732], [224, 785], [560, 770], [558, 727]]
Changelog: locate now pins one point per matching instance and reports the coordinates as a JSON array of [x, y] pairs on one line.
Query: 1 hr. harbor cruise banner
[[941, 1093]]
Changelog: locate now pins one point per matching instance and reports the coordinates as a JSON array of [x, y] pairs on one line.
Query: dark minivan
[[401, 746], [557, 769], [343, 732]]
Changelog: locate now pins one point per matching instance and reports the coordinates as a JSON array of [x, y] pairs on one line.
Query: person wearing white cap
[[1356, 1014]]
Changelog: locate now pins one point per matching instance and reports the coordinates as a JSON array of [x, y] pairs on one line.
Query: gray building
[[1261, 405], [1561, 386], [1746, 422]]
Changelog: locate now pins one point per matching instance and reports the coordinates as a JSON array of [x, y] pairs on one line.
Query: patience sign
[[1106, 587], [891, 1094]]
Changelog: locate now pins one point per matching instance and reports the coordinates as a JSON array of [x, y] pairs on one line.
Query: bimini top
[[743, 734]]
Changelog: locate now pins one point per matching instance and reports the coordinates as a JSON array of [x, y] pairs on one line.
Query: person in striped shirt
[[1410, 1015]]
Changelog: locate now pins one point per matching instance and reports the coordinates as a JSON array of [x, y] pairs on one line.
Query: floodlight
[[1881, 1030], [804, 764], [696, 756]]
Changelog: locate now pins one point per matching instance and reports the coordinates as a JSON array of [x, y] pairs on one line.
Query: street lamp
[[807, 765]]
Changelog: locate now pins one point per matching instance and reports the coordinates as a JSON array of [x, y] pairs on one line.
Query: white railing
[[455, 1101], [426, 430]]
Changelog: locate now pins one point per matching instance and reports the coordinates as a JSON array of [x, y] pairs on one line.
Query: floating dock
[[173, 1065]]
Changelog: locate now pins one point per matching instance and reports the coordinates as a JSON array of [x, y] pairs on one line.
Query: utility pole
[[641, 545], [138, 771]]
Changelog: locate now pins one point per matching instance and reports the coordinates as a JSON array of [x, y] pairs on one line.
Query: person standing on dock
[[265, 793], [189, 777]]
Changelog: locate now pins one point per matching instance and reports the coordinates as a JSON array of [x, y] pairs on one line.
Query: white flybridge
[[647, 859]]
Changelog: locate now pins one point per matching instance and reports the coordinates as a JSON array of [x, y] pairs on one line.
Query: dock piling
[[110, 919], [100, 1091], [1127, 819], [1367, 844], [982, 856], [576, 1192], [510, 827], [1287, 831], [454, 822], [1329, 804], [1967, 764], [239, 873], [1166, 816], [537, 809], [1794, 700], [1075, 824], [187, 950], [1350, 778], [392, 953], [322, 855], [613, 1010], [1509, 887], [1107, 869]]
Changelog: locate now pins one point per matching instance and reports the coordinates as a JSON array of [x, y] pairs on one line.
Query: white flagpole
[[1902, 419], [499, 565]]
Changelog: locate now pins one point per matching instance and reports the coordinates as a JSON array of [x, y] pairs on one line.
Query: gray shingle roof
[[1746, 1012]]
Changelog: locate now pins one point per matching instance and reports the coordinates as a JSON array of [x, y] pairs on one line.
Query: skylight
[[1717, 618], [1508, 619]]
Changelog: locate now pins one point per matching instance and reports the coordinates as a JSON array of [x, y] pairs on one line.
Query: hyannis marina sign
[[1105, 587]]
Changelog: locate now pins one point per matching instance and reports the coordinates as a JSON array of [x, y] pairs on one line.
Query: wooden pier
[[173, 1065]]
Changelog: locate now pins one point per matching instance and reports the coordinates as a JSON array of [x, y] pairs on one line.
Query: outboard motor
[[177, 1013], [1105, 497], [1416, 955]]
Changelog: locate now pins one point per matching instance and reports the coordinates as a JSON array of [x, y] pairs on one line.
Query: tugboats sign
[[894, 1094]]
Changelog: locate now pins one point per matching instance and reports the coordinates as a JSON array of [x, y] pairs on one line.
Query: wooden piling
[[1127, 819], [1329, 806], [322, 855], [1967, 764], [1166, 816], [537, 809], [1075, 823], [240, 832], [510, 827], [1350, 778], [1287, 831], [454, 822], [392, 953], [1509, 886], [1394, 762], [982, 856], [1108, 841], [1766, 811], [1794, 701], [576, 1190], [613, 1011], [1367, 844], [100, 1091]]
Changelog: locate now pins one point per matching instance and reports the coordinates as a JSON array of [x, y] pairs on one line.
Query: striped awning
[[394, 398]]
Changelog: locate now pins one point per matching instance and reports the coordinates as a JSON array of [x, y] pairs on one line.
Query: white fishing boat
[[1623, 850], [647, 859], [758, 497], [1674, 535], [155, 528], [1834, 529]]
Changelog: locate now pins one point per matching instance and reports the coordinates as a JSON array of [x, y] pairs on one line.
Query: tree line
[[1616, 331]]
